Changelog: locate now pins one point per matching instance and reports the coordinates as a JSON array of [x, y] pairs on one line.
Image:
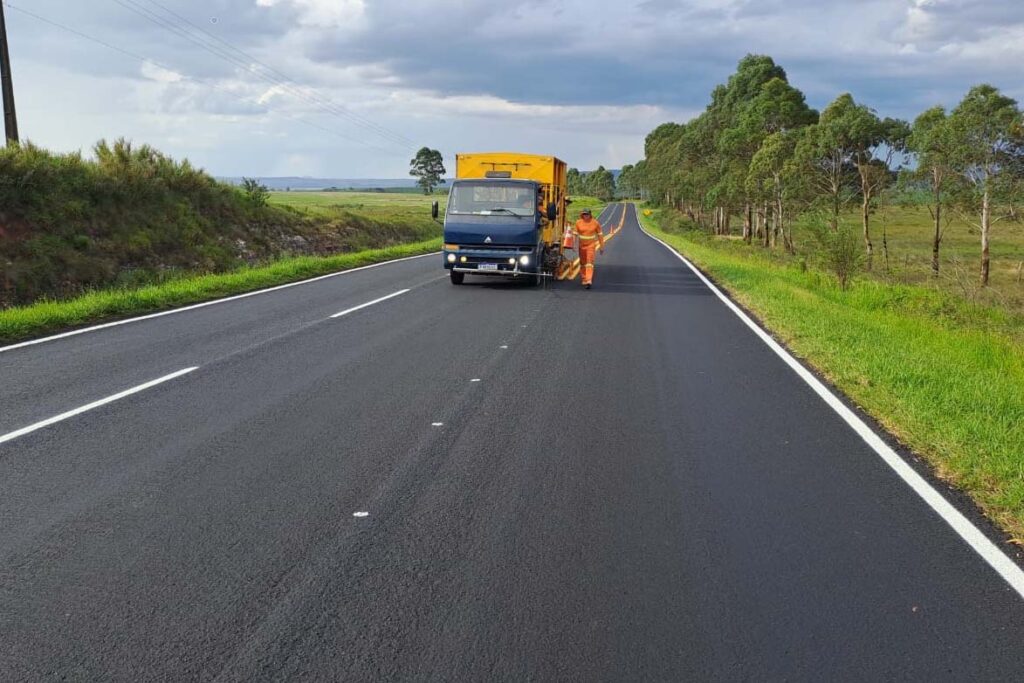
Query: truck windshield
[[486, 198]]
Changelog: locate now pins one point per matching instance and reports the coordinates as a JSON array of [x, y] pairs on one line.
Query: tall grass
[[943, 374], [131, 216]]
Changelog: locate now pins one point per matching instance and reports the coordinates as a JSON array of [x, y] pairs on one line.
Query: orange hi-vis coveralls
[[588, 232]]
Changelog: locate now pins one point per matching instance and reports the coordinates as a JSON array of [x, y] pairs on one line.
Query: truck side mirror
[[552, 211], [435, 211]]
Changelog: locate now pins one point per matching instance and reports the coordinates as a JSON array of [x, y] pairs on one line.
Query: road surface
[[486, 482]]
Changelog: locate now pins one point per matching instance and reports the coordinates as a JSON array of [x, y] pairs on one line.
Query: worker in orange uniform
[[588, 232]]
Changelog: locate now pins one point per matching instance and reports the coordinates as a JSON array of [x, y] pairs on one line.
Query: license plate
[[487, 266]]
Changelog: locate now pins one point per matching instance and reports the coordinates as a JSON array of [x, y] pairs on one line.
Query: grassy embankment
[[132, 231], [35, 319], [941, 372]]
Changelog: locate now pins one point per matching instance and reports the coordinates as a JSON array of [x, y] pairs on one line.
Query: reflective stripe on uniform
[[588, 238]]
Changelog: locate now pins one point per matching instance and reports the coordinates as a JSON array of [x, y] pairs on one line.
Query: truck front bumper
[[503, 261]]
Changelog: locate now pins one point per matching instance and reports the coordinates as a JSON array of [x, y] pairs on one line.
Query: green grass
[[942, 373], [909, 233], [47, 316], [412, 210]]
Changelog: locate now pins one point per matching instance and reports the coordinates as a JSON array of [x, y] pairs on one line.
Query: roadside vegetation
[[132, 217], [132, 231], [889, 254]]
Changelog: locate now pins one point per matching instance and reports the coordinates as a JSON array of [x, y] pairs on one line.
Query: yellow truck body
[[548, 171]]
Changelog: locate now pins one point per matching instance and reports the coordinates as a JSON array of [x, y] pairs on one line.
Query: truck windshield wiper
[[502, 208]]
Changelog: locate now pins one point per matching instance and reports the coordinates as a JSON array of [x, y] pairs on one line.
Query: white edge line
[[979, 542], [203, 304], [95, 404], [369, 303]]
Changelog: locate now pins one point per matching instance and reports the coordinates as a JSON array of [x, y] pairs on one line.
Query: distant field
[[909, 233], [384, 207]]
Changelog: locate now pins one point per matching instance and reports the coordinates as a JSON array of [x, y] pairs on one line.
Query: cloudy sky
[[350, 88]]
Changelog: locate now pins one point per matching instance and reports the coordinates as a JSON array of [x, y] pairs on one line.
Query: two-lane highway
[[480, 482]]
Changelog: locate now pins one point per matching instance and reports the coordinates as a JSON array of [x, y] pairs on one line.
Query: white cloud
[[332, 14], [159, 74]]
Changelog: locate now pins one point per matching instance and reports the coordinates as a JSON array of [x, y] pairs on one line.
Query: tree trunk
[[767, 226], [748, 220], [885, 247], [865, 213], [787, 238], [937, 237], [986, 225]]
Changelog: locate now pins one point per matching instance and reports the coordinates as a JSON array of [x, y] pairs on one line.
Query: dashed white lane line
[[475, 379], [10, 436], [204, 304], [437, 424], [963, 527], [504, 346], [369, 303], [361, 513]]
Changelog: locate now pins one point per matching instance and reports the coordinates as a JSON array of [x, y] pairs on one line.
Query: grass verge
[[942, 374], [47, 316]]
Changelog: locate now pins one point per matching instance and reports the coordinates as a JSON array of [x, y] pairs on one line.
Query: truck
[[505, 217]]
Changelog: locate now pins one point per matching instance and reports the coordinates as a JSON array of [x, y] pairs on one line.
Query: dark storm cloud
[[670, 52], [145, 29]]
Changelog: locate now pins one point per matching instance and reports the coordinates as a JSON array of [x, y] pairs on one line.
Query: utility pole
[[6, 85]]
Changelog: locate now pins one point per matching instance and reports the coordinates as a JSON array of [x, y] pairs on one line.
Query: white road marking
[[437, 424], [504, 346], [204, 304], [10, 436], [971, 534], [361, 513], [369, 303], [475, 380]]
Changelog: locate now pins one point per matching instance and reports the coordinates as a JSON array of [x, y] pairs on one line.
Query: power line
[[325, 100], [245, 62], [200, 81]]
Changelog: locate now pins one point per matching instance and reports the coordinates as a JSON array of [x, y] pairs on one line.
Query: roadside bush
[[840, 251]]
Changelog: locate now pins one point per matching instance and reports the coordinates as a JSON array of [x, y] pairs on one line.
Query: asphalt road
[[617, 484]]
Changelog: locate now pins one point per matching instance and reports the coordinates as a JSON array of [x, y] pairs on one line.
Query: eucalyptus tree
[[825, 154], [931, 143], [777, 108], [876, 144], [986, 149], [773, 179], [601, 184]]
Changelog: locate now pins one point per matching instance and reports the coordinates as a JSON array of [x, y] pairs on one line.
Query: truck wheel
[[457, 278]]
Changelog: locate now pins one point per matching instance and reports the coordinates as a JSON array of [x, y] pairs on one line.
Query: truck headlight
[[463, 259], [511, 261], [451, 258], [525, 260]]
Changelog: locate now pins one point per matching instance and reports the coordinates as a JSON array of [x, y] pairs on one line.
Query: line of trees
[[599, 183], [760, 156]]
